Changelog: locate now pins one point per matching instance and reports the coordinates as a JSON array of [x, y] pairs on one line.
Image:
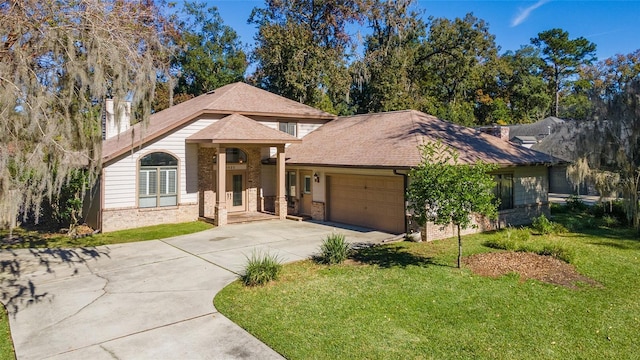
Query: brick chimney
[[498, 131]]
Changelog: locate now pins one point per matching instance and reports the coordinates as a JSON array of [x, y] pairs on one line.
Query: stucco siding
[[120, 177], [531, 185]]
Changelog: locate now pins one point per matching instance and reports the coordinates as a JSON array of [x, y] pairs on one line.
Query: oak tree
[[444, 191]]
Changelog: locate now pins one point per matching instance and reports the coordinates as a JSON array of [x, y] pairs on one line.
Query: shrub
[[557, 251], [574, 203], [261, 268], [542, 225], [334, 249], [610, 221], [510, 239]]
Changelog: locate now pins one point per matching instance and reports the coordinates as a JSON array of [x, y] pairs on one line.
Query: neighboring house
[[240, 149], [526, 141], [539, 129]]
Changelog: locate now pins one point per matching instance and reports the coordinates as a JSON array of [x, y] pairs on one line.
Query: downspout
[[405, 180]]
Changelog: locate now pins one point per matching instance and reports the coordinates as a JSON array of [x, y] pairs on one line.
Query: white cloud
[[524, 13]]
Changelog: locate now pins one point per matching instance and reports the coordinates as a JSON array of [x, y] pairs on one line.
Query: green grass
[[6, 345], [34, 239], [407, 301]]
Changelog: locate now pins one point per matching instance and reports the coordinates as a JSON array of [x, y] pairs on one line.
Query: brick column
[[281, 200], [221, 190]]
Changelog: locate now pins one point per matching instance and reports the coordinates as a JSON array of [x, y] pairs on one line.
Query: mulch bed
[[529, 266]]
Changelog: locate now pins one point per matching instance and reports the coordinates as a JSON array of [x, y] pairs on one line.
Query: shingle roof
[[229, 99], [391, 140], [240, 129], [539, 129]]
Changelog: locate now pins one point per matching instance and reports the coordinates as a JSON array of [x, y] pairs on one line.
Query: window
[[307, 184], [504, 191], [289, 128], [234, 156], [158, 180]]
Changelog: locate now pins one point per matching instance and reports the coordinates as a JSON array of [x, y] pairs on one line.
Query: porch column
[[221, 189], [281, 200]]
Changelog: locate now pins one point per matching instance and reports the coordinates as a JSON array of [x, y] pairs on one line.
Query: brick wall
[[127, 218], [513, 217], [206, 182], [317, 211]]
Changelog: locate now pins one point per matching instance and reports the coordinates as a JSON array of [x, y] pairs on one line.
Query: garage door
[[375, 202]]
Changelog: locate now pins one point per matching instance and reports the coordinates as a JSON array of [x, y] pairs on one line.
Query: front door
[[305, 192], [236, 191]]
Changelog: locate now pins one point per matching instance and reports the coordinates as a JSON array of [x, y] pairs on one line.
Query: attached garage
[[375, 202]]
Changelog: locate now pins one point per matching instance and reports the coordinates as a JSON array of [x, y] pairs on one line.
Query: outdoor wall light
[[316, 177]]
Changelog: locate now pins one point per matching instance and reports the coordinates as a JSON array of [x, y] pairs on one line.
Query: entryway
[[306, 197], [236, 191]]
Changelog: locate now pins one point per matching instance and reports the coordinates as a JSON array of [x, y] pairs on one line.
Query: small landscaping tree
[[444, 191]]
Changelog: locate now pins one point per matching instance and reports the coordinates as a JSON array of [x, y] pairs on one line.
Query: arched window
[[158, 180], [234, 156]]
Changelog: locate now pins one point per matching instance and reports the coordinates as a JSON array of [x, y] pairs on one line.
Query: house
[[240, 149], [359, 166]]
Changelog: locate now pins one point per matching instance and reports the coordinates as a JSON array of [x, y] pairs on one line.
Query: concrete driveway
[[146, 300]]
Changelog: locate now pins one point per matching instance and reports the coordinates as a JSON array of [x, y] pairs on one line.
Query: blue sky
[[613, 25]]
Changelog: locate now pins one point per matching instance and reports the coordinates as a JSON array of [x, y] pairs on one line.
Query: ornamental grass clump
[[334, 249], [261, 268]]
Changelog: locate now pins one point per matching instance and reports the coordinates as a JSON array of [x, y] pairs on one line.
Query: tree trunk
[[459, 246]]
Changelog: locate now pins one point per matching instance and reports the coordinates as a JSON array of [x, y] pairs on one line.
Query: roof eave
[[243, 141]]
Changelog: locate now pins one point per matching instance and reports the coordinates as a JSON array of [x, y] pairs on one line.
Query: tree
[[452, 63], [301, 50], [59, 60], [385, 77], [212, 55], [519, 86], [444, 191], [608, 147], [563, 57]]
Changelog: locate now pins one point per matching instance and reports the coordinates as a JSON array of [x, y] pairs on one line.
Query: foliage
[[575, 203], [384, 80], [375, 310], [510, 239], [544, 226], [334, 249], [444, 191], [6, 343], [212, 55], [60, 60], [25, 239], [64, 210], [563, 57], [301, 49], [521, 85], [452, 66], [607, 148], [261, 268]]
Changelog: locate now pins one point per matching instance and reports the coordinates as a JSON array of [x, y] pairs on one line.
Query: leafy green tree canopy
[[444, 191], [212, 54], [301, 50], [563, 57]]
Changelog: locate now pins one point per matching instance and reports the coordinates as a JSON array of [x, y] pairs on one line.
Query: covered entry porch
[[230, 176]]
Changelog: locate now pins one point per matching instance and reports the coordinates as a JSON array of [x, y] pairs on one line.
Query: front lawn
[[23, 239], [6, 345], [407, 301]]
